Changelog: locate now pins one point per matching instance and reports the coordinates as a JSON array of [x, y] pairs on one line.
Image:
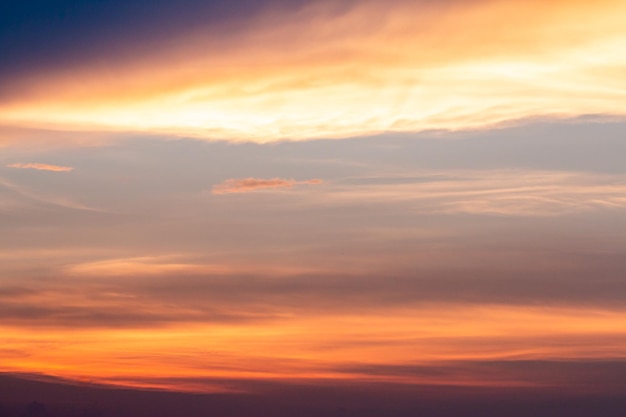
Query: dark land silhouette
[[25, 397]]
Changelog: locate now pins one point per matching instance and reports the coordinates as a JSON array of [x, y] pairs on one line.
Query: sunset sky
[[212, 196]]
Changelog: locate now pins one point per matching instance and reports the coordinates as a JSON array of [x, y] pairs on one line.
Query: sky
[[386, 199]]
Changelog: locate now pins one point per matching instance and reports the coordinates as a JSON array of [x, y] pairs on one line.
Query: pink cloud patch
[[244, 185]]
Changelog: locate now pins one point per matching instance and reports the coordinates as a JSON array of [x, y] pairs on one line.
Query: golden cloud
[[373, 67]]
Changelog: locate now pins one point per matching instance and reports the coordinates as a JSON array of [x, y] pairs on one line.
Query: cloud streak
[[41, 167], [245, 185], [494, 192]]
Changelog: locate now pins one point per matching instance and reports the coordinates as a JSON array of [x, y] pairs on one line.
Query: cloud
[[536, 305], [299, 73], [21, 198], [244, 185], [139, 338], [498, 192], [41, 167], [151, 294]]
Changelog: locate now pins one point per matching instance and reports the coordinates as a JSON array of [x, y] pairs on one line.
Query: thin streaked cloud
[[41, 167], [244, 185], [491, 192]]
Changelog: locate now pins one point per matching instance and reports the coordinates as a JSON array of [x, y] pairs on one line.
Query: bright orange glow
[[321, 72], [319, 347]]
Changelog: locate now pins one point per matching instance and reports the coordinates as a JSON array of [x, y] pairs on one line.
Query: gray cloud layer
[[523, 216]]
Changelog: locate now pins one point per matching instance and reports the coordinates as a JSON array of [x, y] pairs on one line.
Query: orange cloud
[[369, 68], [322, 347], [244, 185], [41, 167]]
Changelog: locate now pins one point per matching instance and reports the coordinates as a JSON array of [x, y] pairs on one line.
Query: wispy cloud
[[495, 192], [141, 266], [244, 185], [41, 167], [22, 196], [496, 65]]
